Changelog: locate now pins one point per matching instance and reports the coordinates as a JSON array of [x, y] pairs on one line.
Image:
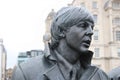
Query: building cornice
[[106, 58], [115, 43], [105, 45]]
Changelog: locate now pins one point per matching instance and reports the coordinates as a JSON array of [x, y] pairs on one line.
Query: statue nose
[[89, 31]]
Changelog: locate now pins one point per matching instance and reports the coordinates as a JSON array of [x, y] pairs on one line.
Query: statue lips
[[86, 43]]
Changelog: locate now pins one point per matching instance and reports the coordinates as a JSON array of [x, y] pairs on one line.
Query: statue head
[[64, 19]]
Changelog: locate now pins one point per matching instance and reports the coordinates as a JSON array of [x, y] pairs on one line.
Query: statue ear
[[62, 35]]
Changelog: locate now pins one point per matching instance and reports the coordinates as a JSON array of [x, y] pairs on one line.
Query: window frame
[[95, 16], [96, 35], [94, 4], [116, 4], [116, 21], [118, 52], [97, 52], [82, 4]]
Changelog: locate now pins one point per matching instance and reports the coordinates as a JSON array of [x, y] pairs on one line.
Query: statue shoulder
[[30, 69]]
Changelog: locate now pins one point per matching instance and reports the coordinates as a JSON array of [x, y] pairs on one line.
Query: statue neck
[[68, 53]]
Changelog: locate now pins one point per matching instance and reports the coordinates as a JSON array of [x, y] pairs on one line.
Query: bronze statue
[[69, 57], [114, 74]]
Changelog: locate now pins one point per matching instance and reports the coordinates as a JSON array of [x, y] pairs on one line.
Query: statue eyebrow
[[81, 22], [90, 22]]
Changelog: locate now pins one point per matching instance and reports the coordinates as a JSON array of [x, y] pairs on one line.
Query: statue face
[[79, 36]]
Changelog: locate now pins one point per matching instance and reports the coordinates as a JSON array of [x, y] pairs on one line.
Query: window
[[22, 54], [20, 61], [32, 53], [118, 52], [82, 4], [94, 5], [116, 4], [116, 21], [96, 33], [28, 54], [117, 35], [95, 18], [97, 52], [36, 53]]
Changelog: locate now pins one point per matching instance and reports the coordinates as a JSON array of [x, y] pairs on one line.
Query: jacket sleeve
[[18, 74]]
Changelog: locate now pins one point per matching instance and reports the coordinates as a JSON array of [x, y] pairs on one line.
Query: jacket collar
[[85, 59], [54, 72], [90, 73]]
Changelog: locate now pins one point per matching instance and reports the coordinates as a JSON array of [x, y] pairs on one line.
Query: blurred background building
[[9, 73], [3, 58], [106, 38], [23, 56]]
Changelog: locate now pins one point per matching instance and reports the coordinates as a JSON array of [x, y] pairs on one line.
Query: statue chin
[[83, 49]]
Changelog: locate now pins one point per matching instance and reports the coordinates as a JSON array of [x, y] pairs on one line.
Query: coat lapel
[[54, 73], [89, 73]]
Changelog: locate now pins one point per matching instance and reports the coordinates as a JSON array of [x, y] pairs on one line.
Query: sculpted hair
[[66, 18]]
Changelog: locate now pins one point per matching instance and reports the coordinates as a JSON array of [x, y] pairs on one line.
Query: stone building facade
[[106, 38], [9, 73], [24, 56]]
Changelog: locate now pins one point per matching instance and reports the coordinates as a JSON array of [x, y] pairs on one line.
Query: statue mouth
[[86, 43]]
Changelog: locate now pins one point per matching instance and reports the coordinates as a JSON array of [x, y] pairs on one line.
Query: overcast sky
[[22, 24]]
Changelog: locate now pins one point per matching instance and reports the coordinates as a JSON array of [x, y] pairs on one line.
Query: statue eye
[[83, 25]]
